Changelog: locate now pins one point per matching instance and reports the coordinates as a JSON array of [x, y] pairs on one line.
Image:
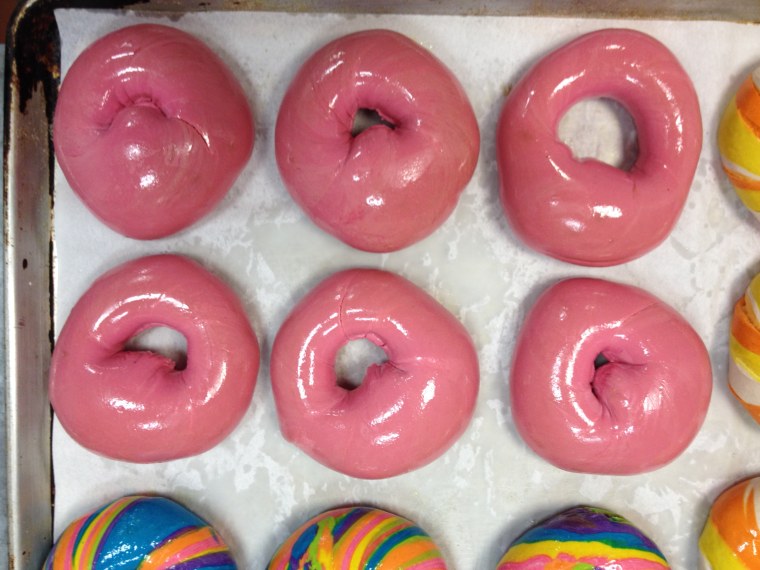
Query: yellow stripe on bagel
[[716, 551], [747, 360], [580, 550], [738, 142]]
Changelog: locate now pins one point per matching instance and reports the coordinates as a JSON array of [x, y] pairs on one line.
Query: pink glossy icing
[[585, 211], [408, 410], [134, 405], [632, 414], [387, 187], [151, 129]]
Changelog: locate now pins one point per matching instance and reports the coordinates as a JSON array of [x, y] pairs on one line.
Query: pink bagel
[[585, 211], [632, 414], [408, 410], [151, 129], [134, 405], [392, 184]]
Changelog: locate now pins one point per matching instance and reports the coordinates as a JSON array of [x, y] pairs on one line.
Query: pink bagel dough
[[584, 211], [387, 187], [134, 405], [151, 129], [408, 410], [634, 413]]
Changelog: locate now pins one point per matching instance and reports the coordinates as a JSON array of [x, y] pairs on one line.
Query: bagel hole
[[600, 361], [353, 359], [164, 341], [366, 118], [601, 129]]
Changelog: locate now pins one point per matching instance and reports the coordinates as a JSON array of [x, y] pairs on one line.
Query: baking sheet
[[257, 488]]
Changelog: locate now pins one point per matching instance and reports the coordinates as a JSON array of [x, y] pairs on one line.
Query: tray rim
[[31, 81]]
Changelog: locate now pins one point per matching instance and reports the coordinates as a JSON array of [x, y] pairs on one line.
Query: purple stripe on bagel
[[586, 520], [216, 560], [346, 521], [175, 534]]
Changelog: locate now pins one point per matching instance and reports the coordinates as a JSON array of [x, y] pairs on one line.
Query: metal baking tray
[[31, 85]]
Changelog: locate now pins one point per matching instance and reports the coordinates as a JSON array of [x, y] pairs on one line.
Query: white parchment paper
[[257, 488]]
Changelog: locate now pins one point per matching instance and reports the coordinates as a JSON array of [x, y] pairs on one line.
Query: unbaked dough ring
[[135, 405], [408, 410], [585, 211]]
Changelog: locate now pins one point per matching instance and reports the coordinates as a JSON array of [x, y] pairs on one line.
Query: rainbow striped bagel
[[744, 348], [739, 142], [140, 533], [358, 538], [731, 537], [583, 538]]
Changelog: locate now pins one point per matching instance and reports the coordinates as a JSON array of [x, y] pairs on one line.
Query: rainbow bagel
[[731, 537], [739, 142], [149, 533], [744, 349], [358, 538], [583, 538]]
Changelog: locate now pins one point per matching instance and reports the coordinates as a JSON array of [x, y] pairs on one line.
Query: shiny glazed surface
[[359, 538], [635, 412], [135, 405], [744, 350], [739, 142], [731, 537], [151, 129], [407, 410], [140, 532], [388, 186], [584, 538], [584, 211]]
